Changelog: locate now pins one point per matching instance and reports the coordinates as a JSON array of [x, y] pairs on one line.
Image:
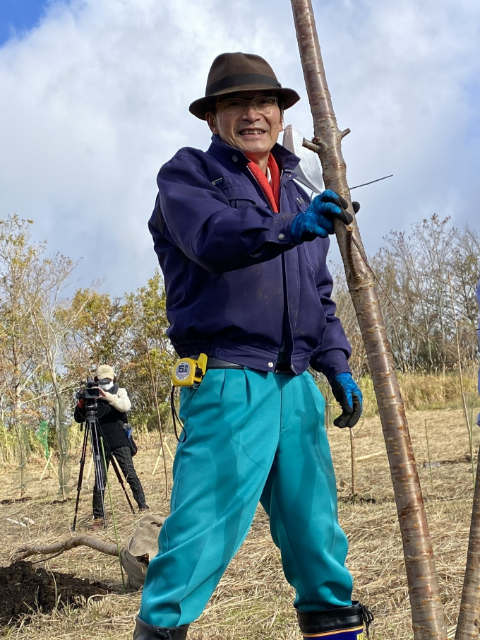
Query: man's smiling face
[[247, 129]]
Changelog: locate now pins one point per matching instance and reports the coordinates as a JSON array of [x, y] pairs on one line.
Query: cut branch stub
[[311, 145]]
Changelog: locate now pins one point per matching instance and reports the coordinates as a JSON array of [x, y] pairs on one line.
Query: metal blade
[[309, 171]]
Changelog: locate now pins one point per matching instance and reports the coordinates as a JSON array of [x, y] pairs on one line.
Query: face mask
[[105, 384]]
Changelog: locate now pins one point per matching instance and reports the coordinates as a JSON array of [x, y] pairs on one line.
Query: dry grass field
[[253, 601]]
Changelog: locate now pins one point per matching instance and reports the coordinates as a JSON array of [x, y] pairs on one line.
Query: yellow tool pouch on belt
[[188, 372]]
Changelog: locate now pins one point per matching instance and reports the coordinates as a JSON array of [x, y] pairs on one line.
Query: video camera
[[90, 392]]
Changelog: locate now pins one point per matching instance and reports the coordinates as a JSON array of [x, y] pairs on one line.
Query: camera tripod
[[92, 429]]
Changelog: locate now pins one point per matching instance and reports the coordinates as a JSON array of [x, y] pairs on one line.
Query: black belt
[[215, 363]]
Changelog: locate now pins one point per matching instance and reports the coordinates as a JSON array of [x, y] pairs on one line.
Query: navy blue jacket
[[237, 285]]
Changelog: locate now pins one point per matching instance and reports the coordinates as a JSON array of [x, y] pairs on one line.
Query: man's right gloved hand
[[317, 220]]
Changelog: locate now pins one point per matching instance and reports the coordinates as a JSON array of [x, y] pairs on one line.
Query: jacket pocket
[[190, 397], [310, 256], [238, 195]]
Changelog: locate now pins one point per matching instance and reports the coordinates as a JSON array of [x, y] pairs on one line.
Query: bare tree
[[18, 362], [413, 271], [427, 614], [52, 323]]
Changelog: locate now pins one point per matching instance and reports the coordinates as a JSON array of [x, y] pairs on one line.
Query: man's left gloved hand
[[350, 397], [318, 220]]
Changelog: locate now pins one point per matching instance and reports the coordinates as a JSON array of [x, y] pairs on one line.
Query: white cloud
[[96, 98]]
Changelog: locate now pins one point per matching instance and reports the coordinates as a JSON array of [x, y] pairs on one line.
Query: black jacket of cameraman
[[111, 416]]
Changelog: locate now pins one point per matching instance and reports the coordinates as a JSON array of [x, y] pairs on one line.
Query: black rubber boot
[[145, 631], [341, 623]]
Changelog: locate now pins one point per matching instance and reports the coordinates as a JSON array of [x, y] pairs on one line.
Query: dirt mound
[[27, 588]]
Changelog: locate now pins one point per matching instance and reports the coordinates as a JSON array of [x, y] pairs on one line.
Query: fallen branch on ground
[[66, 545], [134, 556]]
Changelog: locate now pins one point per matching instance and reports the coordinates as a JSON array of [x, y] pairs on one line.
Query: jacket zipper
[[284, 270]]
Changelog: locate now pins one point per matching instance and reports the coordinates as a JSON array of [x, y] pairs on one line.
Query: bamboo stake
[[45, 467], [370, 455], [51, 467], [160, 452], [168, 449], [462, 386], [89, 468], [157, 461], [428, 454], [352, 462], [427, 615], [159, 420], [114, 516]]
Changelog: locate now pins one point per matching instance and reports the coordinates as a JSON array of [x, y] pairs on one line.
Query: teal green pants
[[250, 437]]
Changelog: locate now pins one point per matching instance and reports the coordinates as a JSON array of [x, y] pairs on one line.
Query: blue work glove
[[317, 220], [350, 397], [478, 420]]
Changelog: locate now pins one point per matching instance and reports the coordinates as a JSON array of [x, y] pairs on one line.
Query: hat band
[[239, 80]]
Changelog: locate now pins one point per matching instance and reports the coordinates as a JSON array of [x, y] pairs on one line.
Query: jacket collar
[[286, 160]]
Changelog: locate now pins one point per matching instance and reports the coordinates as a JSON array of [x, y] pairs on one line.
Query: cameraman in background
[[113, 404]]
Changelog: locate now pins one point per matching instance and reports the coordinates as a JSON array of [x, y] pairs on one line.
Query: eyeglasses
[[262, 104]]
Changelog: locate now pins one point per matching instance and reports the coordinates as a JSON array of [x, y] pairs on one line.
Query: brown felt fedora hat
[[234, 72]]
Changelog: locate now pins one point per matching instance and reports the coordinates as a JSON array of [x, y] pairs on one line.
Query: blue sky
[[95, 97], [19, 16]]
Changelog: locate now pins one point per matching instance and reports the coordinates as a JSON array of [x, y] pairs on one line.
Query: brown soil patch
[[28, 589]]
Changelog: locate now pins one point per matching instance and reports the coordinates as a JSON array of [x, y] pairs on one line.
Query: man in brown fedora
[[243, 253]]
